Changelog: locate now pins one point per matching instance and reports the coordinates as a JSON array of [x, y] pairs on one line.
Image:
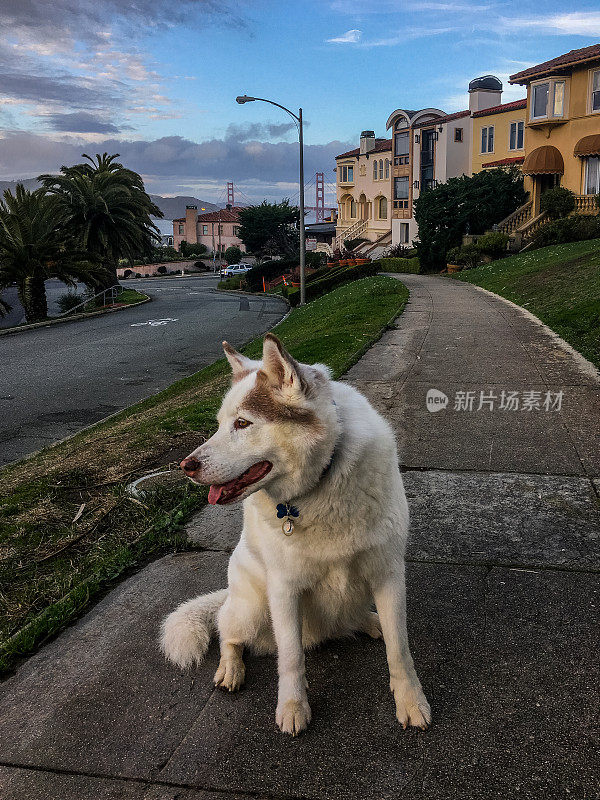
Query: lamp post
[[298, 119]]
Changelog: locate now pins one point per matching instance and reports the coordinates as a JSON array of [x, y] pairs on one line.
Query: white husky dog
[[325, 527]]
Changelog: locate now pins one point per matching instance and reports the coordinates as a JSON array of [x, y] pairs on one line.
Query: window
[[592, 175], [375, 170], [181, 229], [559, 99], [381, 169], [401, 148], [404, 233], [347, 174], [220, 231], [205, 230], [401, 188], [236, 230], [382, 208], [458, 134], [487, 139], [352, 209], [387, 168], [596, 91], [516, 135], [539, 105]]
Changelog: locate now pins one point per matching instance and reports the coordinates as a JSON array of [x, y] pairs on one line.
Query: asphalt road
[[56, 380]]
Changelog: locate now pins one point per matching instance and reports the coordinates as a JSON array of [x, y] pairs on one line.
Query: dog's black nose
[[190, 465]]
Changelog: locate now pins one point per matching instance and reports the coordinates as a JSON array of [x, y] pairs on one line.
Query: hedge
[[398, 265], [319, 287]]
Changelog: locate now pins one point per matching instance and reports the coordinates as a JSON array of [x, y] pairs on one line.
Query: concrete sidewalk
[[503, 601]]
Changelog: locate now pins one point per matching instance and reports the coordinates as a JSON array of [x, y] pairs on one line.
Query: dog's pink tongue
[[214, 493]]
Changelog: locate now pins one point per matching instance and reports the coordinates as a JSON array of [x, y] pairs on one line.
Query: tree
[[233, 254], [270, 228], [466, 204], [106, 209], [34, 247]]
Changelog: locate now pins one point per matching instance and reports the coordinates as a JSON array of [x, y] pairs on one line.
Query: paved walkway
[[503, 599]]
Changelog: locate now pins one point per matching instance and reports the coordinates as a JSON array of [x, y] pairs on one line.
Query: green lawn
[[52, 566], [559, 284], [131, 296]]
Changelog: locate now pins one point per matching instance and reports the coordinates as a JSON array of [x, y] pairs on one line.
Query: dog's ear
[[240, 365], [282, 370]]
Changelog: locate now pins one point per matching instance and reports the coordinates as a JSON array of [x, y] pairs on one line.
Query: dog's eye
[[241, 423]]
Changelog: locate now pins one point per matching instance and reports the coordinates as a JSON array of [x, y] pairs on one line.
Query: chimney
[[367, 142], [191, 222], [484, 92]]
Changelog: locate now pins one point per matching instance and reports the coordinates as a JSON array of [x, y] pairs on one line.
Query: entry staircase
[[353, 232]]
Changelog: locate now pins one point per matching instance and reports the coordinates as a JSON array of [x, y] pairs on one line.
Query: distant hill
[[28, 183], [172, 207]]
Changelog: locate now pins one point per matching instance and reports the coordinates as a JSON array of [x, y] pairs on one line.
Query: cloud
[[80, 122], [575, 23], [350, 37], [172, 161], [259, 130]]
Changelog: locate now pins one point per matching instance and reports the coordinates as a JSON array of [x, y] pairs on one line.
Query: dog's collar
[[287, 511]]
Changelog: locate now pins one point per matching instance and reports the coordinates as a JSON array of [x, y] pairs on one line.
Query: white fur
[[287, 593]]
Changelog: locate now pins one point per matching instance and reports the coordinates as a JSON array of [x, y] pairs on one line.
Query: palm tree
[[106, 208], [33, 248]]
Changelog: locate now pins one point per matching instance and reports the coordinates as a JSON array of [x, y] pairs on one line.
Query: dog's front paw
[[412, 707], [293, 716]]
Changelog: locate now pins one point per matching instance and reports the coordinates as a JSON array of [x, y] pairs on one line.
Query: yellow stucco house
[[562, 127], [499, 136]]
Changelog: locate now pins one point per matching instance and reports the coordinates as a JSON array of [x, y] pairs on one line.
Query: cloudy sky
[[156, 81]]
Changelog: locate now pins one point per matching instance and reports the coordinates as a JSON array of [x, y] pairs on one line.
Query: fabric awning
[[588, 146], [545, 160]]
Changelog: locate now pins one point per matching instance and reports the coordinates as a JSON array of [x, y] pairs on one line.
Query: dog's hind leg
[[239, 622], [371, 625]]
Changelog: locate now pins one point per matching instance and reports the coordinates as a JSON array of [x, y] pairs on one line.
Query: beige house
[[218, 230], [363, 193]]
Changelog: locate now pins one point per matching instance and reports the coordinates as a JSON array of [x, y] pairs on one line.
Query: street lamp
[[298, 119]]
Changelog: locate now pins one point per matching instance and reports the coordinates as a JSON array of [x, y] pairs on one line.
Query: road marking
[[154, 322]]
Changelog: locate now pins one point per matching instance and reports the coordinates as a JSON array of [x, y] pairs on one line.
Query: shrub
[[557, 202], [233, 254], [598, 199], [269, 270], [453, 255], [492, 244], [188, 250], [161, 270], [398, 264], [317, 288], [351, 244], [235, 282], [576, 228], [68, 301], [315, 259], [469, 256], [400, 251], [472, 203]]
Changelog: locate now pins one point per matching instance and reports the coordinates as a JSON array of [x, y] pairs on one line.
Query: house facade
[[562, 127], [363, 192], [218, 230], [499, 136]]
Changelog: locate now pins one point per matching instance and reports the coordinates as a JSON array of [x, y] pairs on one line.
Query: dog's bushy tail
[[185, 633]]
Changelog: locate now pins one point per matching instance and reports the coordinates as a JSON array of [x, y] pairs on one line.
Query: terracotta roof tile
[[516, 104], [442, 120], [381, 145], [224, 215], [579, 56], [505, 162]]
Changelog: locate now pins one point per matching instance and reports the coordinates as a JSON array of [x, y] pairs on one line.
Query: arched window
[[381, 169], [352, 209], [387, 168], [382, 208], [375, 170]]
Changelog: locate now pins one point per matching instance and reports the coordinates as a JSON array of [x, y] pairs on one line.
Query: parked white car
[[235, 269]]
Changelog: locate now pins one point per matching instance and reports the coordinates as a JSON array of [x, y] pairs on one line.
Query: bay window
[[347, 174], [401, 148], [539, 105], [596, 90], [558, 105]]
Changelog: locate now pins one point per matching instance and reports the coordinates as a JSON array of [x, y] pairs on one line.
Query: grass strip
[[51, 564], [559, 284]]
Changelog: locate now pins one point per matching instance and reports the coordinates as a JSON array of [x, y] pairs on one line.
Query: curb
[[74, 318]]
